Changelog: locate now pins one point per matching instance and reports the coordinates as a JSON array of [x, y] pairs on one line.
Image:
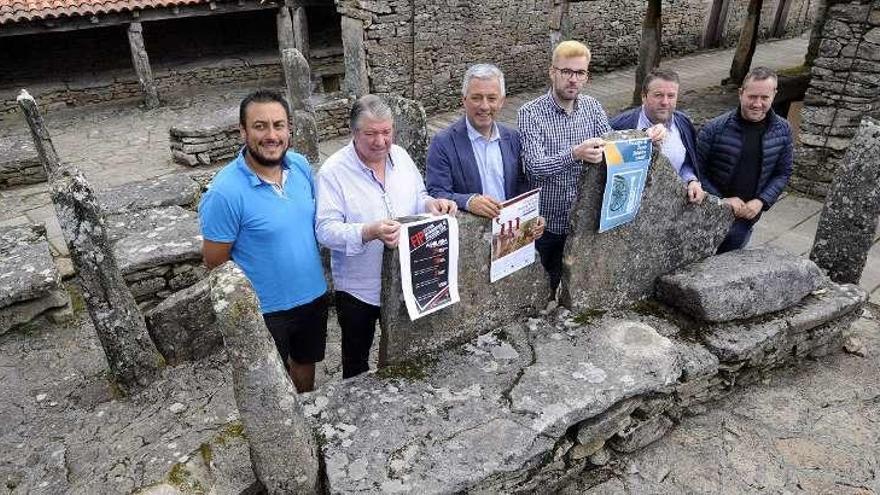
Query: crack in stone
[[533, 358]]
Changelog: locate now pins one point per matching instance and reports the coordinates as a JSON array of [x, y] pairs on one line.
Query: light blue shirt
[[349, 197], [672, 147], [271, 229], [487, 152]]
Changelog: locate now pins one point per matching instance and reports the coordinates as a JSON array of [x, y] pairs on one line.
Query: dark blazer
[[452, 171], [719, 146], [630, 120]]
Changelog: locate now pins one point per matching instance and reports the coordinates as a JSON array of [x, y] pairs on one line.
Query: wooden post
[[649, 47], [285, 28], [141, 62], [132, 356], [748, 40], [301, 31]]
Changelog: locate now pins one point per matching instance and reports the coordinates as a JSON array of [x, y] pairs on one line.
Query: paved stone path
[[115, 144]]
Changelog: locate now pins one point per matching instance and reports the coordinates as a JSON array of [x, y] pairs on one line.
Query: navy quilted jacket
[[718, 150]]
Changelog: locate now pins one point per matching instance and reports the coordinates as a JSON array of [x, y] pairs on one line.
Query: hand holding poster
[[513, 235], [628, 157], [428, 263]]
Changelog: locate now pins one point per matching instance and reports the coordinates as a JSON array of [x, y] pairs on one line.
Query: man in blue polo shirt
[[260, 212]]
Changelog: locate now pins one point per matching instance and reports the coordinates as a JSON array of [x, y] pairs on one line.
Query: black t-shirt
[[744, 182]]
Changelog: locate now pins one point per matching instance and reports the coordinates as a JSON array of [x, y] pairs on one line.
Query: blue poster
[[628, 162]]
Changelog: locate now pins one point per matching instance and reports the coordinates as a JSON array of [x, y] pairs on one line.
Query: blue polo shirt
[[272, 234]]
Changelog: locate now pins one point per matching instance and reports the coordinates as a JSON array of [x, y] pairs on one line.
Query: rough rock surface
[[614, 268], [771, 340], [176, 189], [304, 127], [282, 446], [849, 217], [183, 326], [806, 429], [740, 284], [26, 268], [483, 307], [174, 238], [19, 163], [481, 417], [410, 128]]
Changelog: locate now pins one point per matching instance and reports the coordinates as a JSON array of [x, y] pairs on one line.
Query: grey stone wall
[[420, 49], [844, 87]]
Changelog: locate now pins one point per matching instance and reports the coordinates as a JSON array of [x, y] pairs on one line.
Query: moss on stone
[[207, 453], [794, 71], [588, 316], [77, 301], [231, 431], [183, 480], [414, 370]]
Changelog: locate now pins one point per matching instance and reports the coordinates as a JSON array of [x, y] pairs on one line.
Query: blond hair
[[569, 49]]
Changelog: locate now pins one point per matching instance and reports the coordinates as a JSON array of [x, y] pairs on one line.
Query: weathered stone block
[[641, 434], [614, 268], [19, 163], [128, 223], [752, 341], [175, 242], [849, 217], [26, 268], [740, 284], [607, 424], [484, 306], [184, 326], [177, 189], [25, 311], [410, 128]]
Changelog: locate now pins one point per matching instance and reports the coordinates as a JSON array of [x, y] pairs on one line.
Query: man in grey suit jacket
[[476, 161]]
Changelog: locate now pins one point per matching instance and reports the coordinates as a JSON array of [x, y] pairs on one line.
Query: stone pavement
[[119, 143]]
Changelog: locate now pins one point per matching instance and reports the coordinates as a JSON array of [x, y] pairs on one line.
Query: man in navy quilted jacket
[[745, 156]]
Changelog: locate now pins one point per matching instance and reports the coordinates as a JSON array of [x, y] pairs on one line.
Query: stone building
[[74, 52], [844, 87]]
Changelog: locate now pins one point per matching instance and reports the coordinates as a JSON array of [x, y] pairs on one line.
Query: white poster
[[429, 264], [514, 232]]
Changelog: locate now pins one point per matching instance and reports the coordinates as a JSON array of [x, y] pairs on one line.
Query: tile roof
[[12, 11]]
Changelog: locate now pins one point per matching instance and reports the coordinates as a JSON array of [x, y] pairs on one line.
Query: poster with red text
[[429, 264], [514, 232]]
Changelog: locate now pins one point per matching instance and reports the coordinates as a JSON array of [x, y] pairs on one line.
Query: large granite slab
[[740, 284], [176, 189], [173, 237], [29, 280], [614, 268], [484, 306], [488, 411], [19, 163]]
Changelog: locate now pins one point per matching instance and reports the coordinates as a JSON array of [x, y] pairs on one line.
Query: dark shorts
[[300, 333]]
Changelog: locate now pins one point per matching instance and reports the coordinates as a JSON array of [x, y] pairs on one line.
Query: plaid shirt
[[548, 135]]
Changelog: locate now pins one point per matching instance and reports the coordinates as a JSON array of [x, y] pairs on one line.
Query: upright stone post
[[410, 128], [132, 356], [357, 81], [282, 446], [849, 217], [284, 23], [141, 62], [301, 30], [298, 79], [559, 22]]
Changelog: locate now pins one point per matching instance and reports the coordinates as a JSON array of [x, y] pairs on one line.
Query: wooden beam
[[141, 62], [76, 23]]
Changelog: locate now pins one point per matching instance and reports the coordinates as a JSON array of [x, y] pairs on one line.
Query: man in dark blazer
[[476, 161], [659, 97]]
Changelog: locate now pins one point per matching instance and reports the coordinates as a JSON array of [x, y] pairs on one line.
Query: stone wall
[[844, 87], [516, 37]]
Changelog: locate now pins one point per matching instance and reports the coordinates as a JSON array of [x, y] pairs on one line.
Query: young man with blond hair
[[561, 133]]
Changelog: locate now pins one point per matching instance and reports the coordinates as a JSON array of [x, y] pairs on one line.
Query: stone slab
[[27, 271], [23, 312], [472, 418], [183, 326], [750, 341], [739, 284], [410, 129], [614, 268], [176, 242], [122, 225], [484, 306], [175, 189]]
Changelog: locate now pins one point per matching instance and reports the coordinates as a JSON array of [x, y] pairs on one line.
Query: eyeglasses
[[581, 75]]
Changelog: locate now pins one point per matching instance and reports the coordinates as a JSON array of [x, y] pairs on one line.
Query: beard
[[263, 159]]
